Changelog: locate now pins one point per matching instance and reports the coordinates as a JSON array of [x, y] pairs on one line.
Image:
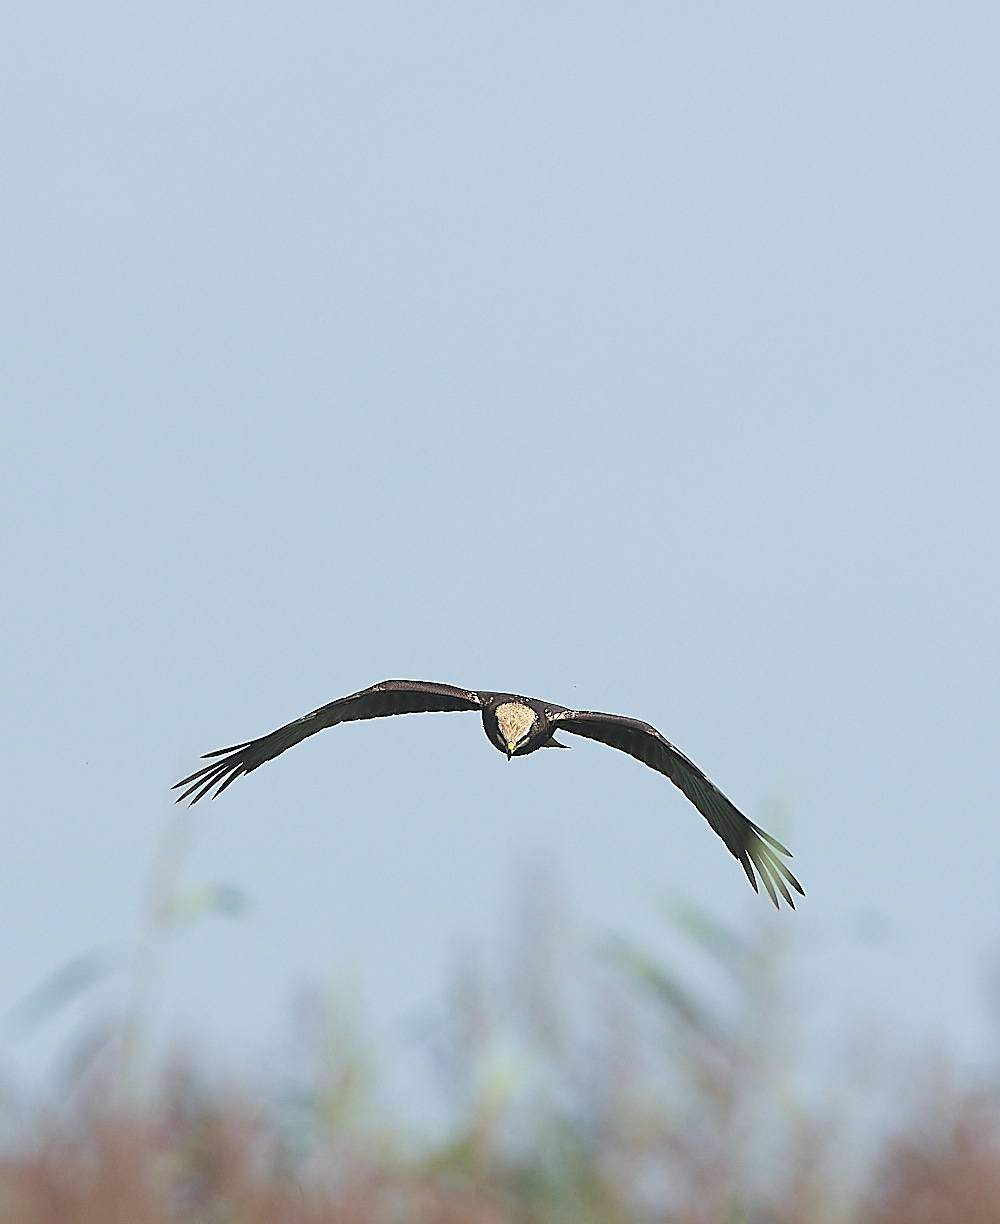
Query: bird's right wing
[[379, 701]]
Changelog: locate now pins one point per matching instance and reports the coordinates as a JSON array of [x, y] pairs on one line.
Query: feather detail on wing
[[379, 701], [746, 841]]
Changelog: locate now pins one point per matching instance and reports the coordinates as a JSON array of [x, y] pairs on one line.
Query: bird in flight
[[516, 726]]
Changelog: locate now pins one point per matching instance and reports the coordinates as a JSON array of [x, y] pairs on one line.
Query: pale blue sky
[[638, 357]]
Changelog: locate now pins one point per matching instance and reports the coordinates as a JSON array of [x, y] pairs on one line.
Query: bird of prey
[[517, 726]]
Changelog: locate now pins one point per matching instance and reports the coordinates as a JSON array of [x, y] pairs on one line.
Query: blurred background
[[641, 358]]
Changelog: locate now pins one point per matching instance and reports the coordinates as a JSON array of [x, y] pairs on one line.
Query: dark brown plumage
[[517, 726]]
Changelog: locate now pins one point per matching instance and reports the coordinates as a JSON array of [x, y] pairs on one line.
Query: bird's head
[[515, 721]]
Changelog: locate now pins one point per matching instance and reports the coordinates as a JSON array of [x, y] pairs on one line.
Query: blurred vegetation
[[588, 1085]]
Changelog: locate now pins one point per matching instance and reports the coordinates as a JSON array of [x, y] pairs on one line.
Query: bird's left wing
[[749, 844], [379, 701]]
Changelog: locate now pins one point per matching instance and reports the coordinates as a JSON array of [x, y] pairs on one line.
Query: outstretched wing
[[379, 701], [748, 843]]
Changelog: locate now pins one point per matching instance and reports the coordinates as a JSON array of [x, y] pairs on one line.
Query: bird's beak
[[510, 750]]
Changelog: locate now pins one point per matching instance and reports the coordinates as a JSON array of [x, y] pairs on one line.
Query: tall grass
[[593, 1086]]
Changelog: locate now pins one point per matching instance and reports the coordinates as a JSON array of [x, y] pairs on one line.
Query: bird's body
[[517, 726]]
